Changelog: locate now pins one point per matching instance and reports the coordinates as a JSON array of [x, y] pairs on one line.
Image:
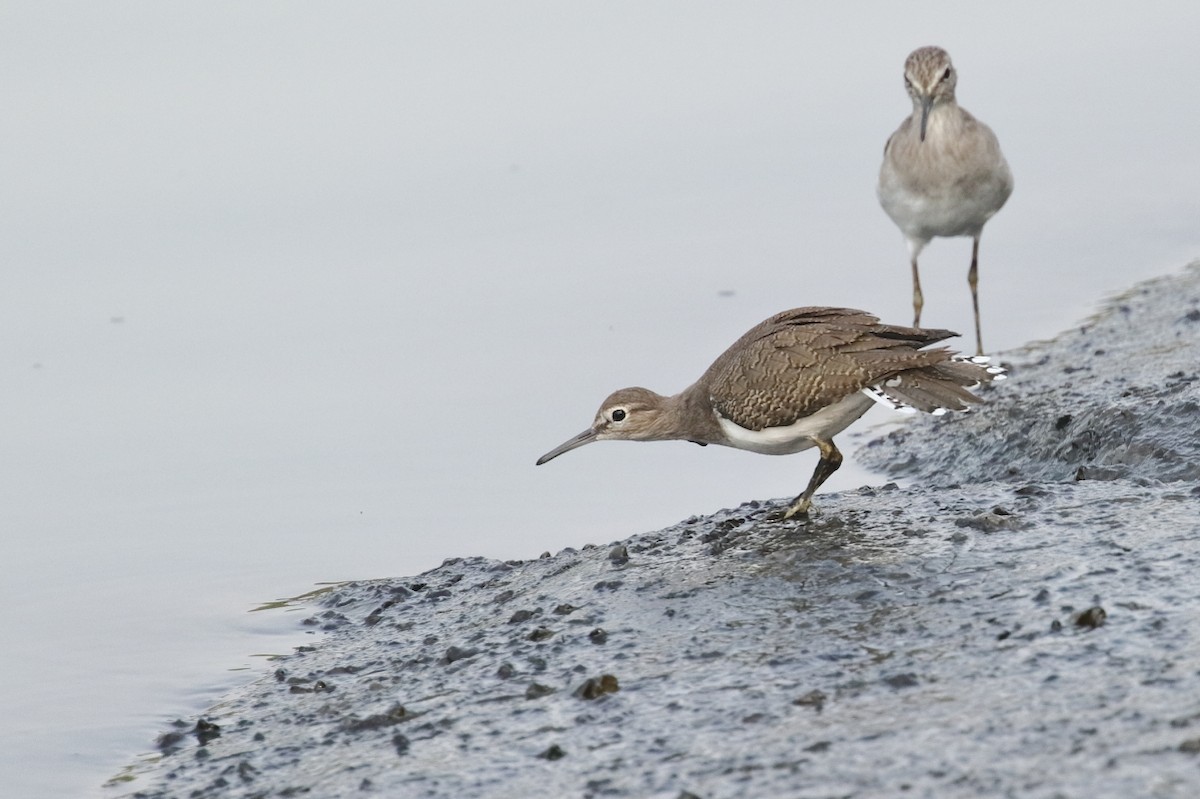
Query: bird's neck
[[696, 421], [945, 120]]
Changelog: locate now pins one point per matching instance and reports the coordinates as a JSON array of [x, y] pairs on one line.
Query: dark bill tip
[[586, 437]]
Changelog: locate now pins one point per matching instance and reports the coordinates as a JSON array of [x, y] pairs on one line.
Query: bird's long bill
[[586, 437], [926, 104]]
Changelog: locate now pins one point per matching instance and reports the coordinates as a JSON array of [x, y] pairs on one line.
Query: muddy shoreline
[[1019, 618]]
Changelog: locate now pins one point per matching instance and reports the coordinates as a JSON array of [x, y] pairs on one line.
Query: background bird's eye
[[618, 415], [946, 74]]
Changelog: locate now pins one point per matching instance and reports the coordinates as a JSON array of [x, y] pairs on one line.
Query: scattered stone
[[456, 653], [537, 691], [170, 742], [906, 680], [523, 615], [394, 715], [565, 610], [540, 634], [598, 636], [814, 699], [1091, 618], [554, 752], [206, 730], [991, 521], [595, 687], [619, 555]]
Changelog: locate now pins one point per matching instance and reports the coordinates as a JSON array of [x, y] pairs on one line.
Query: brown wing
[[800, 361]]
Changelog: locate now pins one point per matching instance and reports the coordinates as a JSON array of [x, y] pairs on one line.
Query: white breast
[[798, 436]]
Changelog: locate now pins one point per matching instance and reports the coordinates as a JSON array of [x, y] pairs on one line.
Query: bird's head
[[929, 79], [636, 414]]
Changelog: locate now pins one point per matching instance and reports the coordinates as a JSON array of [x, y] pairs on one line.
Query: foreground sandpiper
[[943, 173], [793, 382]]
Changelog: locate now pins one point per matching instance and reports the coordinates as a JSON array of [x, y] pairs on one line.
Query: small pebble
[[554, 752], [1091, 618], [596, 687], [537, 691]]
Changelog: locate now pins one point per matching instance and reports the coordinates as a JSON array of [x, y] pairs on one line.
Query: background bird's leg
[[831, 459], [973, 280], [918, 297]]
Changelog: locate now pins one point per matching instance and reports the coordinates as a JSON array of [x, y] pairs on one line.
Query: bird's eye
[[946, 74], [618, 415]]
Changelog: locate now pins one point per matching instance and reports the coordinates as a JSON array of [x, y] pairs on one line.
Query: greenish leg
[[918, 297], [973, 280], [831, 459]]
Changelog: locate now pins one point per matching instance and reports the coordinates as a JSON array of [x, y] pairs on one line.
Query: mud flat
[[1021, 617]]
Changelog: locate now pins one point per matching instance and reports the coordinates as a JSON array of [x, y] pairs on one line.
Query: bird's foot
[[797, 510]]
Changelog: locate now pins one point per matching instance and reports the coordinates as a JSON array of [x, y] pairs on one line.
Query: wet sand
[[1020, 618]]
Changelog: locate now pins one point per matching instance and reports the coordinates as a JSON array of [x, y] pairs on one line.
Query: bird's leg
[[918, 297], [973, 280], [831, 459]]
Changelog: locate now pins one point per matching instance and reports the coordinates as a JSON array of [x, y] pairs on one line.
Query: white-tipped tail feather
[[938, 389]]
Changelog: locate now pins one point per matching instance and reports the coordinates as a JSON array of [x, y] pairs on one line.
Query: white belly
[[801, 434], [924, 215]]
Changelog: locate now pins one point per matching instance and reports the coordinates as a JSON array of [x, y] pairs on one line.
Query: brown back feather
[[800, 361]]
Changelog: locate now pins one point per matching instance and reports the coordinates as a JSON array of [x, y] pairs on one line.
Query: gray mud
[[1117, 397], [1023, 621]]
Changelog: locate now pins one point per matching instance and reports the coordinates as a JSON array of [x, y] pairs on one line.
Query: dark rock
[[595, 687], [814, 699], [456, 653], [1091, 618], [394, 715], [206, 730], [537, 691], [523, 615], [554, 752], [906, 680]]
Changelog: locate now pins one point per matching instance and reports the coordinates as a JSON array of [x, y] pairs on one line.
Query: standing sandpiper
[[793, 382], [943, 173]]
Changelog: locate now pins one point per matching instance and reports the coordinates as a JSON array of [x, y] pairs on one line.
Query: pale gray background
[[298, 292]]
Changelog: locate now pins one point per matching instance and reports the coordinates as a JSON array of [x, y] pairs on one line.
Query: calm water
[[296, 294]]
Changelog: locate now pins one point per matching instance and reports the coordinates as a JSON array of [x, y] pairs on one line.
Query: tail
[[937, 388]]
